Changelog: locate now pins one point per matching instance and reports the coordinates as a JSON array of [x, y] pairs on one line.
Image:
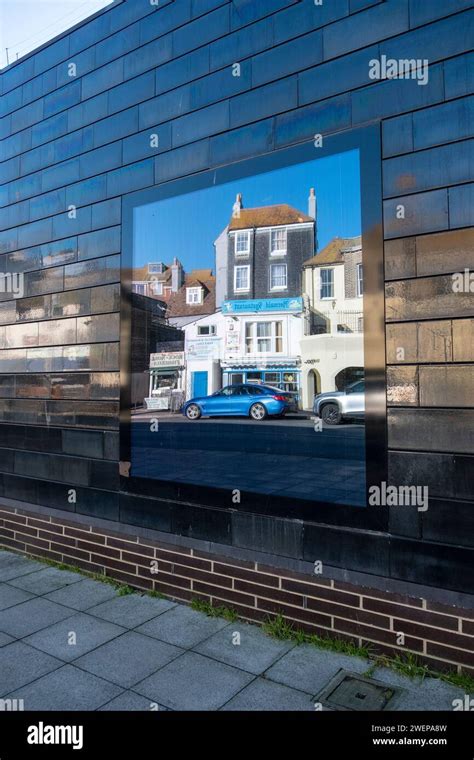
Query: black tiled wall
[[166, 69]]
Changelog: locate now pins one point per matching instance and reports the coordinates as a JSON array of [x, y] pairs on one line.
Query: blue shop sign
[[263, 304]]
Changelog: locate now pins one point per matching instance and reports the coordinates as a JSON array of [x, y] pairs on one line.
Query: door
[[198, 384]]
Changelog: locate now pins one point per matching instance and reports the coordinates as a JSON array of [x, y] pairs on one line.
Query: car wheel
[[258, 412], [330, 414], [193, 412]]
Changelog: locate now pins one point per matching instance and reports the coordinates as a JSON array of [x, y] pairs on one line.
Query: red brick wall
[[440, 635]]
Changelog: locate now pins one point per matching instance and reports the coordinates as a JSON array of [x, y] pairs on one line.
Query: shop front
[[166, 381], [286, 378], [262, 341]]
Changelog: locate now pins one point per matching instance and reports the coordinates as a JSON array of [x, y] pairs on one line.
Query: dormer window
[[242, 243], [278, 242], [193, 296], [155, 268]]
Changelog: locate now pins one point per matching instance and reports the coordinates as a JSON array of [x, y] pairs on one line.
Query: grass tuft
[[407, 664], [156, 594], [125, 590], [279, 628], [228, 613]]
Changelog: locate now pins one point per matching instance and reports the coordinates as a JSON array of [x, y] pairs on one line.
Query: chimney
[[312, 204], [238, 205], [312, 211], [177, 275]]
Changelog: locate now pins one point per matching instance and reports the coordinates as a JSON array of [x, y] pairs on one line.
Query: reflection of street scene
[[280, 457], [273, 340]]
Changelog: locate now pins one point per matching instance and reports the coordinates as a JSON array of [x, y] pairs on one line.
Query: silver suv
[[333, 407]]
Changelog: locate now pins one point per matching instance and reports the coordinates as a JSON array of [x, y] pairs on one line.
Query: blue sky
[[27, 24], [187, 225]]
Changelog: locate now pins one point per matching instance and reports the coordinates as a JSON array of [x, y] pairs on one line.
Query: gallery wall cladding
[[84, 141]]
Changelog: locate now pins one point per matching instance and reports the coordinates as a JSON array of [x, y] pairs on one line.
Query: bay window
[[263, 338]]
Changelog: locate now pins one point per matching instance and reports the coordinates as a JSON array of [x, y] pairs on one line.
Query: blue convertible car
[[255, 401]]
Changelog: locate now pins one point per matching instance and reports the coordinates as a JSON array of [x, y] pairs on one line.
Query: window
[[242, 278], [242, 243], [278, 277], [193, 295], [254, 390], [157, 288], [272, 378], [206, 330], [360, 280], [155, 268], [263, 338], [278, 241], [139, 287], [228, 391], [327, 283]]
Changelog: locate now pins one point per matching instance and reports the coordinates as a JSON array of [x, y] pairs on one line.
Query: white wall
[[211, 363], [312, 284], [292, 331], [328, 354]]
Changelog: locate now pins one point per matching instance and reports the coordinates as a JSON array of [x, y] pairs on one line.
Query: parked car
[[242, 400], [336, 406]]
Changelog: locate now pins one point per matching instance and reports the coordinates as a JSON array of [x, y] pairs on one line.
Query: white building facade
[[332, 349], [204, 352], [262, 339]]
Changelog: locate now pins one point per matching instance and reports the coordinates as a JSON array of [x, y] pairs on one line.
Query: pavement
[[68, 642], [279, 457]]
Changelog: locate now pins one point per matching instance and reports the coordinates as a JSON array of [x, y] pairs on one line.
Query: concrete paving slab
[[4, 639], [46, 580], [270, 696], [128, 701], [67, 688], [183, 627], [251, 649], [83, 595], [31, 616], [129, 659], [13, 566], [307, 668], [420, 694], [131, 610], [89, 633], [194, 682], [20, 664], [9, 596]]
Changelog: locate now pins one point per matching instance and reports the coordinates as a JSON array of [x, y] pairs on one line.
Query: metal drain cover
[[351, 691]]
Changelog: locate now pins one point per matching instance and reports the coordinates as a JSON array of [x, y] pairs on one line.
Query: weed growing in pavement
[[228, 613]]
